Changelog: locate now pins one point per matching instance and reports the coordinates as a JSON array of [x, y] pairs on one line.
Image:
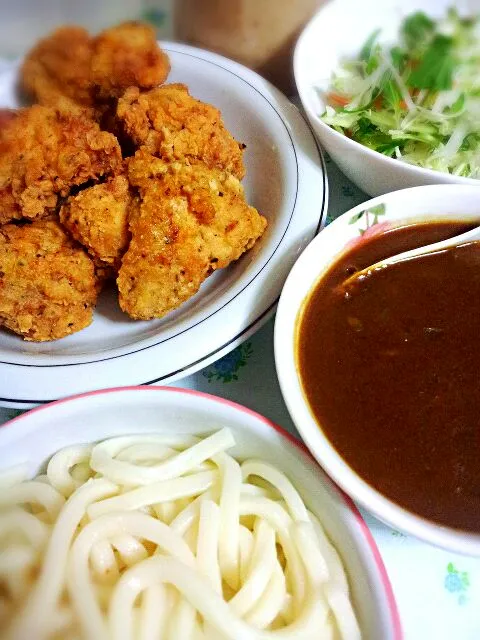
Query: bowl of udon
[[161, 512]]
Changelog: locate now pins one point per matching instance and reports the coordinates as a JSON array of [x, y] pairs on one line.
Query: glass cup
[[258, 33]]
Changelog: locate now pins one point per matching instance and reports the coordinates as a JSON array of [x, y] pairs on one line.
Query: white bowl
[[35, 436], [286, 181], [423, 203], [336, 32]]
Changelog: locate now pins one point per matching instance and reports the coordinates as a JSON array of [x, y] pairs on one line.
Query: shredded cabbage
[[417, 101]]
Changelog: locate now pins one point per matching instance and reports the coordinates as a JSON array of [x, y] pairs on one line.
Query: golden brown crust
[[125, 56], [6, 117], [176, 215], [71, 70], [48, 287], [172, 124], [191, 221], [97, 217], [43, 154], [57, 69]]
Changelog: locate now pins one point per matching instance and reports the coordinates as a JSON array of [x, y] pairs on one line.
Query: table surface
[[438, 593]]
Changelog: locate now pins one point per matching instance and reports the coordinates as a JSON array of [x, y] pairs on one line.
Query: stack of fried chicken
[[112, 175]]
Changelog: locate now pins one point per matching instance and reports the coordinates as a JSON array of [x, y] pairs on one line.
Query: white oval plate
[[286, 180]]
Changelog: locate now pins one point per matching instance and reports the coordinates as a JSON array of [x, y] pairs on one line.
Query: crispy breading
[[191, 221], [125, 56], [48, 287], [74, 71], [6, 117], [43, 154], [98, 218], [172, 124], [58, 69]]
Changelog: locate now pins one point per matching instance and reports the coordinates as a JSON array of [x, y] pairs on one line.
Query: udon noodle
[[165, 536]]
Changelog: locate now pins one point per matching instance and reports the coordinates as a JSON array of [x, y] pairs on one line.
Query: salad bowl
[[320, 53]]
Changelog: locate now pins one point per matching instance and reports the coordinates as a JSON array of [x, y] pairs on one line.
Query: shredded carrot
[[337, 99], [378, 102]]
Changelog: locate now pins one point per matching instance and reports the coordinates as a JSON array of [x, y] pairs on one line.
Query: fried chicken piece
[[191, 221], [172, 124], [57, 71], [125, 56], [6, 117], [43, 154], [72, 70], [98, 218], [48, 287]]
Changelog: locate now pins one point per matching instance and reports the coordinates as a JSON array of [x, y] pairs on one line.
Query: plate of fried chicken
[[153, 197]]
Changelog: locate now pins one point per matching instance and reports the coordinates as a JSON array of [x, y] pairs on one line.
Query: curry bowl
[[334, 403]]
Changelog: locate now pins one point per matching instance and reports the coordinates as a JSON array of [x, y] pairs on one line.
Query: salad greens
[[418, 101]]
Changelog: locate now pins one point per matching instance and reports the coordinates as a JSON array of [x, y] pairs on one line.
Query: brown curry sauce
[[392, 371]]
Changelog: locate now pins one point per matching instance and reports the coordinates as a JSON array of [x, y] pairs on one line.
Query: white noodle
[[146, 453], [191, 535], [129, 549], [104, 562], [280, 520], [343, 612], [165, 511], [125, 473], [35, 493], [245, 551], [17, 559], [153, 493], [43, 478], [262, 566], [153, 612], [182, 621], [15, 565], [208, 542], [81, 472], [58, 470], [165, 537], [270, 604], [34, 619], [329, 553], [229, 519], [281, 483], [254, 490], [79, 581], [182, 522], [23, 525], [308, 546]]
